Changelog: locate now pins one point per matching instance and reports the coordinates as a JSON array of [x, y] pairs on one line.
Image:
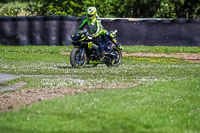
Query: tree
[[112, 8], [166, 10]]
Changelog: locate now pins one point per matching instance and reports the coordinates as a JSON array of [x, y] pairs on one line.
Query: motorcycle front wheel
[[76, 60], [115, 58]]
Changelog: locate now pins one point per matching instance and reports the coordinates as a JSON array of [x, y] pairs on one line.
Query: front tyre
[[77, 61], [115, 58]]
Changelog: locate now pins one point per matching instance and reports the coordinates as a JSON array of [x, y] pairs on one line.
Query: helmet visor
[[90, 15]]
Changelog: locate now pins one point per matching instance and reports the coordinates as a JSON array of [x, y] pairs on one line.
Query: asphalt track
[[6, 77]]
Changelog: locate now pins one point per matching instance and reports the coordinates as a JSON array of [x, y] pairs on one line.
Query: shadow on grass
[[87, 66], [64, 67]]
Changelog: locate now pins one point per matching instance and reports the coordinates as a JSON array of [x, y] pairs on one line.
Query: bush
[[34, 9], [166, 10], [10, 11], [62, 7], [107, 8]]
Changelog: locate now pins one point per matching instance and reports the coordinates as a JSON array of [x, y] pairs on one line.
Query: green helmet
[[91, 12]]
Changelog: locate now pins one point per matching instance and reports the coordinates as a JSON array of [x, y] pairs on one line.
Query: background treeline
[[106, 8]]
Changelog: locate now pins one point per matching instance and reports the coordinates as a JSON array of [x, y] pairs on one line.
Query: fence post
[[68, 27], [22, 30], [7, 30], [36, 27], [51, 31]]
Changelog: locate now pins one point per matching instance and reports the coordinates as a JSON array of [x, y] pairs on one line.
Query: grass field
[[165, 100]]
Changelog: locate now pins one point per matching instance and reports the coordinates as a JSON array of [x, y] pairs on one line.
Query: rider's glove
[[94, 35]]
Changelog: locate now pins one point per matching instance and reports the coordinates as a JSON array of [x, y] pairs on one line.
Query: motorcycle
[[87, 50]]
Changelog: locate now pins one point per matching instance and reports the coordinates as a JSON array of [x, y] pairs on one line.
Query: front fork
[[80, 57], [81, 52]]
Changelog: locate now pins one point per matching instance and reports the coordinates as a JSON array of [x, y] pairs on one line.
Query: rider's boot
[[102, 58], [117, 44], [102, 53]]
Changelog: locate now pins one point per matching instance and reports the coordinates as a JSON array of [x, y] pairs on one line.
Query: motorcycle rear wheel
[[116, 59], [75, 59]]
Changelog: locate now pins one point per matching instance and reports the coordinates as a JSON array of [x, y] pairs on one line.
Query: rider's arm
[[83, 24], [99, 27]]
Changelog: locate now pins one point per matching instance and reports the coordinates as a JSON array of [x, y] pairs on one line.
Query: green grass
[[165, 101], [162, 107]]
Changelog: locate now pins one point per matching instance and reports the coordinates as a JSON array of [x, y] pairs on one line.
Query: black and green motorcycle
[[86, 50]]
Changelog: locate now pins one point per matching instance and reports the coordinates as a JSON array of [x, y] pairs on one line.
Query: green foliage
[[10, 11], [19, 8], [166, 10], [7, 1], [33, 9], [62, 7], [111, 8], [124, 8]]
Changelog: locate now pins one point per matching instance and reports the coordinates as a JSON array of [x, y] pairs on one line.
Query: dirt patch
[[16, 99], [112, 86], [192, 57], [65, 53]]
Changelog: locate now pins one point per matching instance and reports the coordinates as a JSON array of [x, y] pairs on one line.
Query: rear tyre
[[76, 60], [115, 58]]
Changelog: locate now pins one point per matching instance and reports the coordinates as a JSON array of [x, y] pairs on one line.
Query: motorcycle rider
[[98, 32]]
